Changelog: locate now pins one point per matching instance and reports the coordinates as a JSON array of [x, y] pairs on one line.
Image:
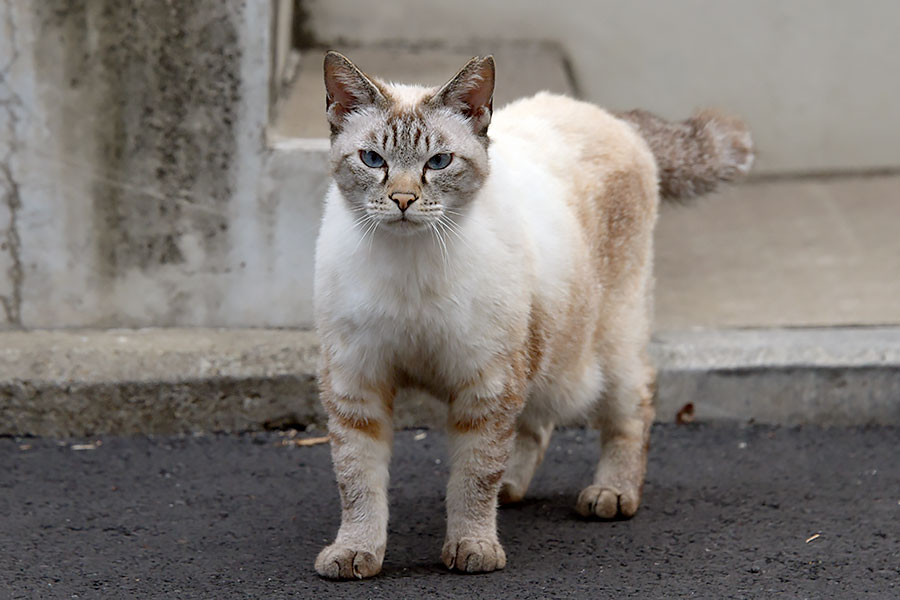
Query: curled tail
[[695, 155]]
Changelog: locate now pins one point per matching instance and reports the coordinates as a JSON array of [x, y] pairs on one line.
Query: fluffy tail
[[695, 155]]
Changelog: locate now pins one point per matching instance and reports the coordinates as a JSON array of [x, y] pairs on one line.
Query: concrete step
[[76, 383], [524, 68], [782, 253]]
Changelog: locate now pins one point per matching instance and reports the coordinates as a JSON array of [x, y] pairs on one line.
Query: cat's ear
[[471, 92], [346, 89]]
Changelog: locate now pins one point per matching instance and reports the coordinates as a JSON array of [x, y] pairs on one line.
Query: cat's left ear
[[471, 92]]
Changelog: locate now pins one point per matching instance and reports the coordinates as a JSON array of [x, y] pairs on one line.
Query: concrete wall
[[137, 187], [816, 79], [135, 174]]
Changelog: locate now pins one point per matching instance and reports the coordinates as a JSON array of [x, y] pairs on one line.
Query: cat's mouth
[[404, 221], [404, 224]]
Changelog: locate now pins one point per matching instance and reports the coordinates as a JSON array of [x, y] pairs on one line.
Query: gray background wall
[[816, 79]]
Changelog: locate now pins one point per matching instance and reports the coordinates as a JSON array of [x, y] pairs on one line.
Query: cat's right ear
[[346, 89]]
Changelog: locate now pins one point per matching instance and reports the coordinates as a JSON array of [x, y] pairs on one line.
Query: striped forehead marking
[[406, 134]]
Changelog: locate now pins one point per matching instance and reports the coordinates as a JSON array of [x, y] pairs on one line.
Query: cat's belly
[[569, 397]]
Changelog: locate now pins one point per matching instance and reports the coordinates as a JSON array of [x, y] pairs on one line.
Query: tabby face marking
[[432, 144]]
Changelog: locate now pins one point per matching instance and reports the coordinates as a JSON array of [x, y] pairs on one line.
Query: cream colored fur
[[521, 297]]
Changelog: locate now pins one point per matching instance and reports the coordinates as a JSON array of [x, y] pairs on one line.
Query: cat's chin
[[405, 227]]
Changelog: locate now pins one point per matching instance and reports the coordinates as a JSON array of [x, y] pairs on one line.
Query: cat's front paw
[[339, 561], [607, 502], [473, 555]]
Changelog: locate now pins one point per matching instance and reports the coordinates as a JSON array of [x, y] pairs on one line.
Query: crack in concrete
[[12, 304], [10, 27]]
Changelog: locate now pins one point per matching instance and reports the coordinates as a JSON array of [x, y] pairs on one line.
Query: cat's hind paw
[[607, 503], [343, 562], [473, 555]]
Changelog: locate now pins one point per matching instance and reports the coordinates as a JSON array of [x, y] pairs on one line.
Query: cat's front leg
[[482, 422], [359, 423]]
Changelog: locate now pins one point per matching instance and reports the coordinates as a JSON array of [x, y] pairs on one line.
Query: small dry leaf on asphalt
[[686, 414], [812, 537], [313, 441]]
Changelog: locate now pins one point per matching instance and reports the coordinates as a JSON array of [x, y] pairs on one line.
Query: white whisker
[[372, 237], [445, 254], [454, 228], [369, 227], [361, 219]]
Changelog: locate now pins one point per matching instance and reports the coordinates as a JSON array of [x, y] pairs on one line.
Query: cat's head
[[406, 156]]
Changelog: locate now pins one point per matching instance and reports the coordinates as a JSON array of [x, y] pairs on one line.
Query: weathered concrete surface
[[523, 69], [825, 376], [160, 381], [11, 107], [276, 288], [789, 253], [129, 152], [75, 383], [135, 176], [810, 77], [728, 512]]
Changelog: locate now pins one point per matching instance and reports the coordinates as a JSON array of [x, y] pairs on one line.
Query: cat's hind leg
[[532, 438], [624, 417]]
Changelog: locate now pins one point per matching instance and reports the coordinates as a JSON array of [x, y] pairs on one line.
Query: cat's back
[[603, 169], [570, 128]]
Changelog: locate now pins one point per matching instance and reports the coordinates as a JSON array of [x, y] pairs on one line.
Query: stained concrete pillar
[[132, 167]]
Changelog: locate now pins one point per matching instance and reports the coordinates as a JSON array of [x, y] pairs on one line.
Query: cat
[[503, 263]]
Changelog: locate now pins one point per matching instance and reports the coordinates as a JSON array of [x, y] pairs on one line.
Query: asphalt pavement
[[729, 511]]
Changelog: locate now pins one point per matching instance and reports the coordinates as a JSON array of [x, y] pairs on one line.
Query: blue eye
[[371, 159], [439, 161]]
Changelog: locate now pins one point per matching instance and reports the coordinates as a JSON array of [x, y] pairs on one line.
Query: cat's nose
[[403, 199]]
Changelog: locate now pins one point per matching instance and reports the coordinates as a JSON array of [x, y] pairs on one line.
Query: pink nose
[[403, 199]]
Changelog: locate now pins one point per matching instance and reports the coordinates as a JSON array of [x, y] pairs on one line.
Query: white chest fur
[[385, 301]]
